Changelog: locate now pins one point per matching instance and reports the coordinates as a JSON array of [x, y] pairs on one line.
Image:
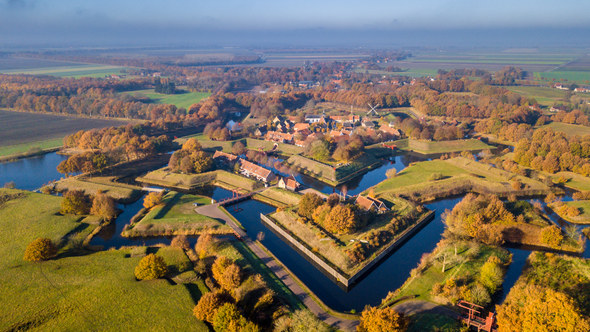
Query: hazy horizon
[[305, 23]]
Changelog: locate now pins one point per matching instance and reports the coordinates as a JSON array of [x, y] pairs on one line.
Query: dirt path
[[342, 324]]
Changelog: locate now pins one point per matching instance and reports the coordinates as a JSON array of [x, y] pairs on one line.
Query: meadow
[[543, 95], [75, 70], [569, 129], [79, 290], [184, 99], [580, 77]]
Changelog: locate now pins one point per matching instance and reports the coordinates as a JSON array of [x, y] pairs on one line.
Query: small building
[[277, 137], [252, 170], [557, 109], [289, 183], [368, 124], [260, 132], [368, 203], [390, 130], [581, 90], [300, 126], [227, 157]]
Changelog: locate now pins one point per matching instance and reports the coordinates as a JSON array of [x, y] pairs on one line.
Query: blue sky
[[107, 18]]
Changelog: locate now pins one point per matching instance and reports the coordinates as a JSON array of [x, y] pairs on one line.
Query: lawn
[[180, 100], [432, 147], [176, 215], [78, 290], [580, 77], [278, 197], [164, 178], [583, 218], [30, 147], [328, 173], [460, 175], [467, 263], [250, 143], [118, 191], [569, 129]]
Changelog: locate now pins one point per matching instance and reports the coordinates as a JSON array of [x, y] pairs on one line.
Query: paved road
[[342, 324]]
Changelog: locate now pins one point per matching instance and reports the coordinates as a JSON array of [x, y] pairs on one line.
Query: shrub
[[516, 185], [491, 275], [231, 277], [151, 267], [74, 202], [551, 236], [206, 245], [480, 295], [208, 305], [391, 173], [103, 205], [378, 320], [435, 177], [10, 185], [181, 242], [550, 198], [152, 199], [40, 249], [228, 318], [309, 202], [340, 220]]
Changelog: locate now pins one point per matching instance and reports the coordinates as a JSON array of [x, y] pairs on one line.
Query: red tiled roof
[[229, 156], [255, 169], [300, 126]]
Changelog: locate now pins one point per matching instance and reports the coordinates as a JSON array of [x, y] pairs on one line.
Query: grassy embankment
[[223, 179], [583, 206], [278, 197], [331, 247], [326, 173], [460, 175], [250, 143], [175, 216], [466, 264], [80, 290], [29, 149], [184, 99], [430, 148], [569, 129]]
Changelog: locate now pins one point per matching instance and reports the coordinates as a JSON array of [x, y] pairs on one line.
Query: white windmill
[[373, 111]]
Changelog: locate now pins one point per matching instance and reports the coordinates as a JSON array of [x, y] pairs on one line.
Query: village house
[[252, 170], [289, 183], [346, 118], [368, 124], [277, 137], [300, 143], [390, 130], [300, 126], [260, 132], [368, 203], [557, 109], [581, 90], [560, 86], [225, 157], [233, 126]]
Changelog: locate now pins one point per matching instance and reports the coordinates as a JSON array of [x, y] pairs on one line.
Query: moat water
[[390, 274]]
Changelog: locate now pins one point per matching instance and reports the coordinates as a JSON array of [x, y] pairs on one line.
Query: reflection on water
[[32, 173]]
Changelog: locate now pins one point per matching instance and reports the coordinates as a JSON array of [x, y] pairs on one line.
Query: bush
[[435, 177], [151, 267], [74, 202], [152, 199], [480, 295], [391, 173], [228, 318], [208, 305], [378, 320], [340, 220], [309, 202], [551, 236], [103, 205], [181, 242], [39, 250]]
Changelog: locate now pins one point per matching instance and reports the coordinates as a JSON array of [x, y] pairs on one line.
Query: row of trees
[[191, 159]]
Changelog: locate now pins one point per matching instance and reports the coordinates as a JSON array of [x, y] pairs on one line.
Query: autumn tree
[[103, 205], [206, 245], [219, 267], [40, 249], [378, 320], [152, 199], [208, 305], [201, 161], [229, 319], [391, 173], [301, 321], [321, 212], [151, 267], [192, 144], [333, 199], [340, 220], [309, 202], [238, 148], [530, 308], [551, 236], [181, 242], [231, 277], [74, 202]]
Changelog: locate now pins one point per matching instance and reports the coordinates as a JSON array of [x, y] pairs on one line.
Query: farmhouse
[[289, 183], [581, 90], [390, 130], [260, 131], [368, 203], [315, 118], [252, 170], [368, 124], [348, 118], [300, 126], [227, 157], [557, 109]]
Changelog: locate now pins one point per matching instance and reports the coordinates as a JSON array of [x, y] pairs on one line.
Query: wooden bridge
[[236, 197], [471, 315]]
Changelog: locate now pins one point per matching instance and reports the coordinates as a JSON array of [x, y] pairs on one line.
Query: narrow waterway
[[32, 173]]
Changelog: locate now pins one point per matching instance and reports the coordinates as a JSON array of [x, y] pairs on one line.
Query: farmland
[[13, 65], [569, 129], [543, 95], [184, 100], [582, 77], [21, 131], [56, 68]]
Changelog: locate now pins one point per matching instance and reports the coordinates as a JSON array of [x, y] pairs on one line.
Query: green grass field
[[176, 215], [583, 218], [571, 76], [79, 290], [433, 147], [544, 96], [278, 197], [569, 129], [184, 100], [118, 191], [467, 262], [23, 148], [77, 71], [163, 177]]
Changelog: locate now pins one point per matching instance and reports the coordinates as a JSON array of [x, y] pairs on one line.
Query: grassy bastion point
[[278, 197], [176, 215], [250, 143], [163, 177], [330, 174], [430, 147]]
